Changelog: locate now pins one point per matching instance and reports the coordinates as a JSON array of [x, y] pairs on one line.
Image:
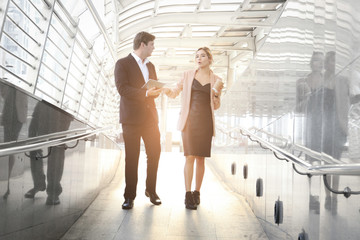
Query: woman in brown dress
[[196, 122]]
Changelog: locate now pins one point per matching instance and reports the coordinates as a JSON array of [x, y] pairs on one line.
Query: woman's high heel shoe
[[189, 201]]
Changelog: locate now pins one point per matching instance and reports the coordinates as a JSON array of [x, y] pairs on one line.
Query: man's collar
[[138, 59]]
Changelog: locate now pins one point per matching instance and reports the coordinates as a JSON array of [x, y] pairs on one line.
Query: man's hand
[[167, 91], [153, 92]]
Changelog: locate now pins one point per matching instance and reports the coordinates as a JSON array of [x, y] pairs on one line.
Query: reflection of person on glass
[[138, 116], [310, 83], [45, 120], [354, 114], [14, 114], [335, 120], [199, 100], [309, 101]]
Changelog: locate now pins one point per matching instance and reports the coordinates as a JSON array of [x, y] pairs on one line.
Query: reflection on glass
[[335, 110], [45, 120], [324, 101], [335, 125], [354, 114], [309, 98], [14, 114]]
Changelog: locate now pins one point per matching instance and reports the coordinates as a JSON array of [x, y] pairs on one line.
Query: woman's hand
[[167, 91], [216, 100], [215, 93]]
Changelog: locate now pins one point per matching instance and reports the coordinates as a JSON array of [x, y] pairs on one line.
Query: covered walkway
[[221, 215]]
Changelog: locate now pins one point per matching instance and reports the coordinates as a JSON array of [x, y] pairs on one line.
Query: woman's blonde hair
[[208, 53]]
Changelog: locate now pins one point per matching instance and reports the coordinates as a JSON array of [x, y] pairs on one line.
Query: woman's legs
[[188, 172], [193, 199], [200, 170]]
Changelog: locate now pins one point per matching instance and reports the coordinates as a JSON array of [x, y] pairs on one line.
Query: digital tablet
[[153, 83]]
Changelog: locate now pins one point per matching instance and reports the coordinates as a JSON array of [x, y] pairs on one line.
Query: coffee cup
[[218, 86]]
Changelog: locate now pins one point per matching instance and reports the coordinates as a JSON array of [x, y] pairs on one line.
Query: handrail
[[314, 154], [44, 137], [332, 169], [293, 146], [275, 149], [281, 138], [51, 143], [335, 169]]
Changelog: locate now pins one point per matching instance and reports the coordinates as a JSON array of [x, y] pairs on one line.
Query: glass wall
[[301, 94], [48, 49], [44, 191], [302, 87], [55, 76]]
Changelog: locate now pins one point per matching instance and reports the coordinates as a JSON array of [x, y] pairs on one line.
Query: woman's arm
[[217, 93], [174, 92], [216, 100]]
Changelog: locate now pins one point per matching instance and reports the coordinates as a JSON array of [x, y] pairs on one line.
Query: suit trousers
[[132, 134]]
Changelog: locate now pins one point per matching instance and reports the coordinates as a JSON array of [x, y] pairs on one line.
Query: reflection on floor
[[221, 215]]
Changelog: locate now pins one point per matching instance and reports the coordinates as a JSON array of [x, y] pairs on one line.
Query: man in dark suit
[[138, 116]]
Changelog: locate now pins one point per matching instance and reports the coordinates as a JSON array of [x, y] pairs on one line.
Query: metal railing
[[310, 170], [49, 140], [333, 166], [41, 138]]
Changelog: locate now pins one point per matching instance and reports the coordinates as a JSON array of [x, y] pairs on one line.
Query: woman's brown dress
[[198, 131]]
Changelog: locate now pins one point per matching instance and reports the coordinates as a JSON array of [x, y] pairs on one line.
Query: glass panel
[[60, 17], [54, 184], [14, 105], [300, 92], [85, 21], [19, 47], [100, 48]]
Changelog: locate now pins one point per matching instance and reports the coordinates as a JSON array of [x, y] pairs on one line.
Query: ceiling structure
[[232, 29]]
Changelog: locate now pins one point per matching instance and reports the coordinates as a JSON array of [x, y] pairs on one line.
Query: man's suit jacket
[[135, 107]]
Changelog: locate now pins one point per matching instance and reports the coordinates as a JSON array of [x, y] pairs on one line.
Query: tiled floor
[[221, 215]]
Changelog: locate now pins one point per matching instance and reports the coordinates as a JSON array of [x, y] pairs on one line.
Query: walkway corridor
[[222, 214]]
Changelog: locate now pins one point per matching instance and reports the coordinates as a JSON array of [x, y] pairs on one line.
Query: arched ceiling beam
[[244, 6], [221, 61], [229, 42], [216, 19], [222, 43]]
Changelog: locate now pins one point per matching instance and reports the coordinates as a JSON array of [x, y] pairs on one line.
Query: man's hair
[[144, 37]]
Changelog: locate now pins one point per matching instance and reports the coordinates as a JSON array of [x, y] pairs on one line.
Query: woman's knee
[[200, 161]]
